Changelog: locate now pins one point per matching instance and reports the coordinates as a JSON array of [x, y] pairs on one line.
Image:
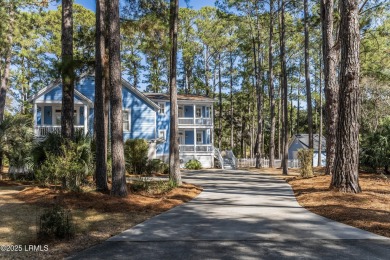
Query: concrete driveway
[[240, 215]]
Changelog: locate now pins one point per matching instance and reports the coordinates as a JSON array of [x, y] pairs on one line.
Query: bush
[[151, 187], [57, 163], [136, 155], [193, 165], [305, 157], [56, 222]]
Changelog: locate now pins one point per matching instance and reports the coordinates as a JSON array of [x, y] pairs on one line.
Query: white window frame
[[201, 138], [164, 134], [161, 111], [54, 114], [180, 110], [128, 111], [196, 112]]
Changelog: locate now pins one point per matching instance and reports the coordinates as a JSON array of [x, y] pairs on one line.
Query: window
[[181, 111], [57, 117], [198, 112], [162, 108], [161, 134], [208, 112], [126, 120], [199, 138]]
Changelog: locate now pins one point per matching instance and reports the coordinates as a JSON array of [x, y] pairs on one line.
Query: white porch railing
[[201, 148], [41, 131], [194, 121], [251, 162]]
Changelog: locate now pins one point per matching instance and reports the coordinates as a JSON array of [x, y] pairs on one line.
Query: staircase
[[225, 159]]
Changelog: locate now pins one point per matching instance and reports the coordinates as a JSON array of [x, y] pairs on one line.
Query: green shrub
[[136, 155], [305, 157], [193, 165], [66, 164], [151, 186], [56, 222]]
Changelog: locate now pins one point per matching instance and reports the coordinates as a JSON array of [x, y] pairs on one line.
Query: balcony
[[42, 131], [195, 121], [199, 148]]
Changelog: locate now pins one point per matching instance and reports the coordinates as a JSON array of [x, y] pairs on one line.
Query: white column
[[194, 112], [42, 115], [195, 140], [85, 119], [35, 114]]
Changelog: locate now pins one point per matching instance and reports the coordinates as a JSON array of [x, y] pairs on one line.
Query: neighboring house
[[145, 115], [301, 141]]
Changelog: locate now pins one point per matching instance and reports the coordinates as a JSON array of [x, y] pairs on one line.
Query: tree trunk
[[320, 126], [271, 87], [100, 80], [231, 104], [174, 158], [67, 73], [220, 103], [307, 75], [206, 73], [4, 82], [331, 87], [285, 89], [345, 177], [119, 187]]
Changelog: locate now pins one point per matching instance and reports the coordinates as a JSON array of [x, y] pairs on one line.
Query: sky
[[195, 4]]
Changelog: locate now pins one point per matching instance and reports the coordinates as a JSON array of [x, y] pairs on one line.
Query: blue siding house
[[145, 115]]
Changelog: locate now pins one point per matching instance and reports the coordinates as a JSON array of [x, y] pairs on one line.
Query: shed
[[301, 141]]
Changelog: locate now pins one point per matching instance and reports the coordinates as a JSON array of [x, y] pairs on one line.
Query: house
[[301, 141], [145, 115]]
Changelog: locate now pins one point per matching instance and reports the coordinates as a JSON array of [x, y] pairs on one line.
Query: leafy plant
[[136, 155], [375, 148], [16, 138], [305, 157], [56, 162], [56, 222], [193, 165]]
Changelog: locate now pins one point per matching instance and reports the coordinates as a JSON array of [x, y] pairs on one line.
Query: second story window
[[126, 120], [198, 112], [162, 108]]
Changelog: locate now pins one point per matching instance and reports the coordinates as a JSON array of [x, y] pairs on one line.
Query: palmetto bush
[[16, 137], [58, 162]]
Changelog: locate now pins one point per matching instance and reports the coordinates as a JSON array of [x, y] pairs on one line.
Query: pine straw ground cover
[[96, 216], [369, 210]]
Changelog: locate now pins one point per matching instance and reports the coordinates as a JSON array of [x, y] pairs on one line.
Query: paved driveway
[[241, 215]]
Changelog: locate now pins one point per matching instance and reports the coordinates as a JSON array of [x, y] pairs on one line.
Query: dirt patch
[[96, 216], [369, 210]]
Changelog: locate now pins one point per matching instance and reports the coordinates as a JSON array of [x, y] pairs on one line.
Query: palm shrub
[[57, 162], [375, 148], [193, 165], [136, 155], [16, 136], [305, 157]]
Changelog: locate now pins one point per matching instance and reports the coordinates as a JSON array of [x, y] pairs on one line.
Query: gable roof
[[55, 84], [304, 140], [139, 94], [180, 97], [126, 84]]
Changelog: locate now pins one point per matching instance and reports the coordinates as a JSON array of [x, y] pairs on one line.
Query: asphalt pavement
[[240, 215]]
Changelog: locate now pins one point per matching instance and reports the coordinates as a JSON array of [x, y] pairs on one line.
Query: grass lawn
[[96, 216], [369, 210]]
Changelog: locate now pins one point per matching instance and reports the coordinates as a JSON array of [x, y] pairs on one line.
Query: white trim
[[201, 137], [162, 106], [128, 110], [85, 119], [164, 133]]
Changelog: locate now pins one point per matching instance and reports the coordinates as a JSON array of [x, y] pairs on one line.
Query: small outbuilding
[[301, 141]]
